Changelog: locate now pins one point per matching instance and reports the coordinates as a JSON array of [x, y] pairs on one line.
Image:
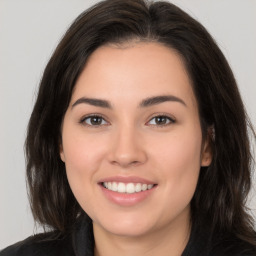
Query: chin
[[128, 227]]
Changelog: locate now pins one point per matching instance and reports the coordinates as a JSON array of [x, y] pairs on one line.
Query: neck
[[169, 240]]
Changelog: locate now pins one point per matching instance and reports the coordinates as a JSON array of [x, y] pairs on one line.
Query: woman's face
[[132, 141]]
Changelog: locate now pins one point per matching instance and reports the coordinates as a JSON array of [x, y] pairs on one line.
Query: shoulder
[[204, 243], [233, 246], [48, 244], [78, 240]]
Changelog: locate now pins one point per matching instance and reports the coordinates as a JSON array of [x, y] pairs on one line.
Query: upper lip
[[127, 179]]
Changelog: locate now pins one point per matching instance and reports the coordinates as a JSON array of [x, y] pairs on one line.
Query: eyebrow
[[160, 99], [144, 103], [93, 102]]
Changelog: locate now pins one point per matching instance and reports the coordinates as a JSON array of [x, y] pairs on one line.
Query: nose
[[127, 148]]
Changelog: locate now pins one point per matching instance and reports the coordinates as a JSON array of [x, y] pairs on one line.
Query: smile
[[129, 188], [127, 191]]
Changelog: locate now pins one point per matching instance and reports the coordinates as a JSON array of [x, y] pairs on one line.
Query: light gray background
[[29, 32]]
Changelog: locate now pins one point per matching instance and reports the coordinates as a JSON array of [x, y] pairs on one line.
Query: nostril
[[125, 162]]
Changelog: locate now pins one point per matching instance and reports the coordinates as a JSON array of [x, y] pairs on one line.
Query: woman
[[138, 141]]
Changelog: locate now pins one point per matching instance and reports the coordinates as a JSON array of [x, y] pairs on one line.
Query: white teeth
[[120, 188], [114, 186], [129, 188], [138, 187], [150, 186], [144, 187]]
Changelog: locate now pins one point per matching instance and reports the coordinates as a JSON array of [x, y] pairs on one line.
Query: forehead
[[134, 70]]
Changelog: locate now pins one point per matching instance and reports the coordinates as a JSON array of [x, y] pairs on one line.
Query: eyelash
[[169, 119], [89, 117]]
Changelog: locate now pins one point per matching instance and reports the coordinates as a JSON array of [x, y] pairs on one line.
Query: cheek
[[82, 160], [179, 152], [184, 155], [82, 153], [179, 163]]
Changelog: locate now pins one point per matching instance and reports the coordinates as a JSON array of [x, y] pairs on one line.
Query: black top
[[80, 242]]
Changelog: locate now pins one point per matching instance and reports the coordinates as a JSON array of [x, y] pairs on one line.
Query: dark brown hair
[[220, 197]]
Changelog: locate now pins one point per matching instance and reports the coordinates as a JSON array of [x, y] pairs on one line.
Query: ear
[[62, 155], [206, 154]]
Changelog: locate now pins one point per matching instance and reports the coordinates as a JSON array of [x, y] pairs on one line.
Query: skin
[[129, 142]]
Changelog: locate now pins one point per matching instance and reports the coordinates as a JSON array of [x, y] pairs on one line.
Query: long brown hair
[[220, 198]]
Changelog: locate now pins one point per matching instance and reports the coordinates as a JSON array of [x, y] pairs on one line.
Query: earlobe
[[206, 160], [206, 156], [62, 156]]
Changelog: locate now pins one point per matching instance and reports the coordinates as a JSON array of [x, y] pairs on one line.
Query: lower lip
[[126, 199]]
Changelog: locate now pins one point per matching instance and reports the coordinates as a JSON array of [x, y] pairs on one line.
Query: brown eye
[[94, 121], [161, 120]]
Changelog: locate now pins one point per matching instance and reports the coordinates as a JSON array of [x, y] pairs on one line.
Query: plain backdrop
[[29, 32]]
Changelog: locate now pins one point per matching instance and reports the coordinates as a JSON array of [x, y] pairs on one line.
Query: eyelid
[[82, 120], [171, 118], [168, 116]]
